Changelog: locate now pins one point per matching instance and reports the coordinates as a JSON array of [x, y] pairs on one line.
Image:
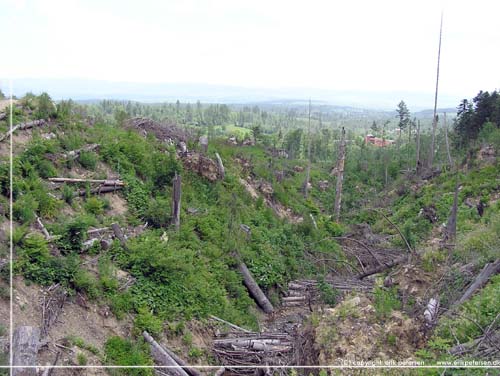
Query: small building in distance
[[380, 142]]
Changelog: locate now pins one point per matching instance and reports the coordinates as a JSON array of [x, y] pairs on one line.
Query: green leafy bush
[[88, 159], [122, 352], [386, 300]]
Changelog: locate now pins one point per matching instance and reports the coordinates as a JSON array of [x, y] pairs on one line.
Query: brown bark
[[176, 201], [340, 176], [99, 190], [190, 371], [25, 344], [451, 226]]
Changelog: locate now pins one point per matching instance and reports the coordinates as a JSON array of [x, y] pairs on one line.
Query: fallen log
[[220, 372], [254, 289], [106, 182], [99, 190], [488, 271], [384, 266], [25, 342], [229, 324], [162, 358], [182, 363], [294, 299], [28, 125], [73, 154]]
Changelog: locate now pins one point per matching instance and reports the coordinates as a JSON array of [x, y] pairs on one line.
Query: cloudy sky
[[381, 45]]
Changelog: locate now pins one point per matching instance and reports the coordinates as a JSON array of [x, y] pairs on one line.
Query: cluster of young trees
[[473, 116]]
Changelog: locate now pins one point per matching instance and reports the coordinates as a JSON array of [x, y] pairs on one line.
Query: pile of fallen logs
[[169, 133], [51, 304], [103, 185], [27, 125], [203, 166], [306, 291], [253, 349]]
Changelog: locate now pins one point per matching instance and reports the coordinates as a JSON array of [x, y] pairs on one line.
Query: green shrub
[[94, 205], [67, 193], [386, 300], [81, 359], [122, 352], [88, 160], [24, 209], [84, 281], [157, 213], [145, 320]]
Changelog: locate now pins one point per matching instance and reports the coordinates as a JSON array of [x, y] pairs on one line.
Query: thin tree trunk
[[116, 182], [340, 176], [25, 343], [176, 201], [385, 266], [434, 117], [28, 125], [418, 164], [305, 188], [450, 161]]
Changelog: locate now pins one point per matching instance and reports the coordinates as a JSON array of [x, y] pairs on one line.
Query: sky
[[370, 46]]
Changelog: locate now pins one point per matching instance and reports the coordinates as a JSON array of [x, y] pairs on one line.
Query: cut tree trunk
[[254, 289], [220, 166], [450, 161], [176, 201], [25, 345], [305, 187], [418, 164], [451, 225], [340, 177], [182, 363], [488, 271], [42, 227], [162, 358]]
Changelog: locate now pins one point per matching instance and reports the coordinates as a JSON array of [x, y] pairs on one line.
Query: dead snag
[[42, 227], [119, 235], [488, 271], [162, 358], [340, 176], [254, 289], [450, 232], [25, 344], [220, 166], [73, 154], [176, 201]]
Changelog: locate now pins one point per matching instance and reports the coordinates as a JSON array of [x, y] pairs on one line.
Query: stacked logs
[[103, 186], [253, 349]]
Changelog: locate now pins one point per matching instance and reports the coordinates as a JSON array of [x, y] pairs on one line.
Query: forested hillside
[[230, 235]]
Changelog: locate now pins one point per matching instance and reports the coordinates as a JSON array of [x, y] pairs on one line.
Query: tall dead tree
[[305, 188], [418, 164], [450, 161], [220, 166], [340, 176], [176, 201], [434, 117], [25, 343]]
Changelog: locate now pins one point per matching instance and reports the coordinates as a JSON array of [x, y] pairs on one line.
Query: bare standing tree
[[176, 201], [340, 176], [305, 187], [418, 163], [434, 117], [450, 161]]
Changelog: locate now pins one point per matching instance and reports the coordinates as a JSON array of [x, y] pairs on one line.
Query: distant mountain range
[[84, 90]]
